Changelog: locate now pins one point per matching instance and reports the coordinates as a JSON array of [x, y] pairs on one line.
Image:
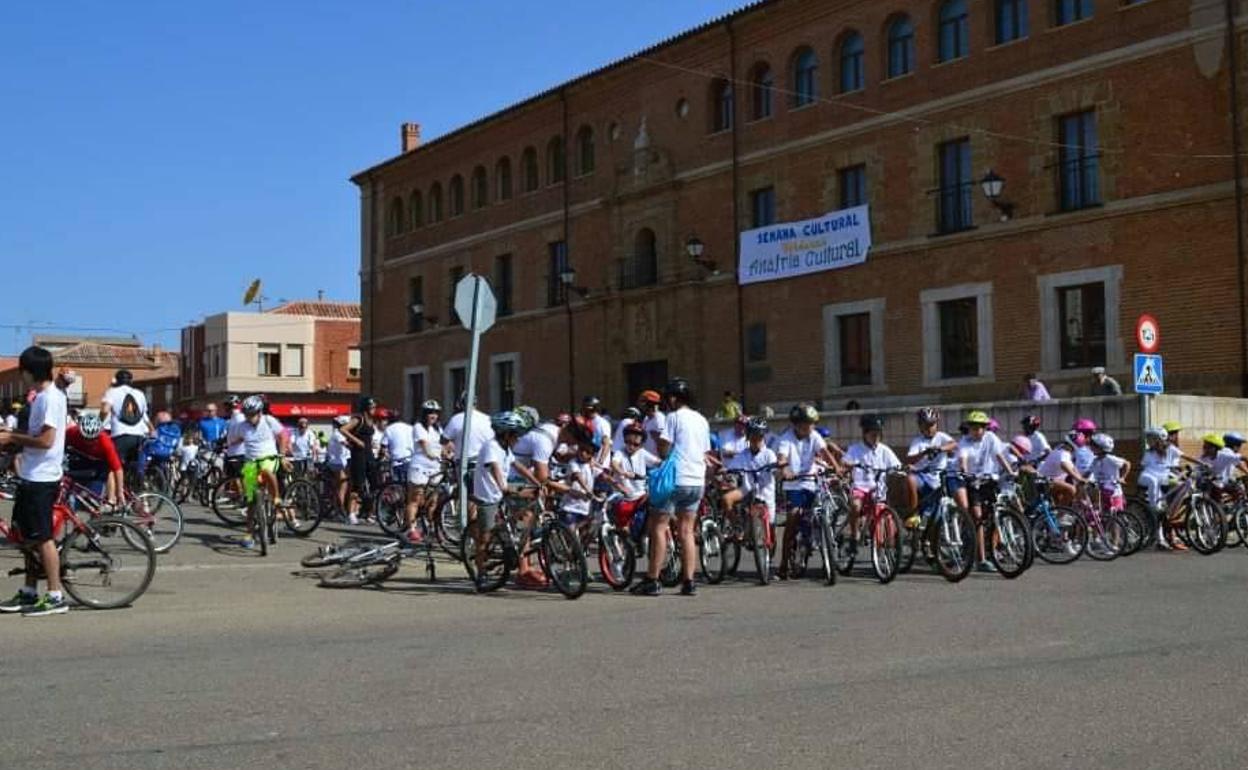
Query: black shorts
[[32, 509], [234, 466], [128, 448], [357, 468]]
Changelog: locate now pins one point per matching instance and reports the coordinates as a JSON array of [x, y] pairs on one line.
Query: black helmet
[[1031, 422], [232, 401], [592, 402], [679, 387], [123, 377], [756, 426], [366, 403], [804, 413], [870, 422], [632, 413]]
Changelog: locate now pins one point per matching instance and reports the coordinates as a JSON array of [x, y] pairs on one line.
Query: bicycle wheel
[[450, 526], [1010, 545], [205, 484], [159, 516], [1134, 531], [1240, 518], [155, 479], [911, 544], [259, 521], [616, 559], [827, 548], [1105, 537], [108, 564], [711, 552], [1059, 536], [182, 489], [391, 509], [846, 552], [1205, 525], [563, 559], [360, 575], [886, 545], [497, 567], [1148, 518], [669, 576], [329, 555], [762, 554], [952, 543], [303, 508], [227, 502]]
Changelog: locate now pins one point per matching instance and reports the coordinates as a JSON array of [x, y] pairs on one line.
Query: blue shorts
[[800, 498], [683, 500]]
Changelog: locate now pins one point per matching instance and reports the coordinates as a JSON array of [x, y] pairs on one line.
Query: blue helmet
[[823, 431], [1233, 440]]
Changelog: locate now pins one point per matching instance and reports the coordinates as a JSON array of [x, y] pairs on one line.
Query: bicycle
[[1106, 534], [748, 526], [157, 515], [881, 533], [106, 562], [951, 547], [1059, 534], [556, 546], [815, 529], [359, 566]]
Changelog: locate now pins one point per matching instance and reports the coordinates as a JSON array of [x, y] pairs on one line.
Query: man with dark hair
[[124, 412], [43, 452]]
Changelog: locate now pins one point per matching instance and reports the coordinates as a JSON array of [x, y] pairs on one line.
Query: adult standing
[[212, 427], [454, 431], [1033, 389], [124, 409], [688, 435], [654, 421], [359, 432], [425, 465], [1103, 384], [305, 447]]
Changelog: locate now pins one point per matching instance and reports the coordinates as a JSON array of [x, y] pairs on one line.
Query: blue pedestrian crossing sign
[[1149, 376]]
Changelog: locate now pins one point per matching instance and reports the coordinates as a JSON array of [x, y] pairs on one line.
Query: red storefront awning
[[315, 409]]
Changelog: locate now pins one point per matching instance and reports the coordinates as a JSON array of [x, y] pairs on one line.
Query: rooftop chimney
[[409, 136]]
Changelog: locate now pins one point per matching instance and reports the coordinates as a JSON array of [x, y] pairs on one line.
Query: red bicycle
[[106, 562], [879, 529]]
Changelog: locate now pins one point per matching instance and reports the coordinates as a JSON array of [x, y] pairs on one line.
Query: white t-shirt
[[927, 467], [484, 486], [602, 429], [655, 425], [377, 440], [10, 422], [630, 471], [866, 460], [398, 441], [801, 454], [1105, 470], [536, 446], [1051, 466], [731, 445], [580, 478], [690, 436], [303, 445], [763, 485], [236, 419], [482, 433], [1158, 464], [115, 396], [260, 440], [1224, 464], [1083, 459], [426, 448], [339, 451], [49, 410], [186, 455], [1039, 448], [981, 456]]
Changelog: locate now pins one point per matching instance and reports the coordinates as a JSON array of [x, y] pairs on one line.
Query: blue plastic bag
[[661, 482]]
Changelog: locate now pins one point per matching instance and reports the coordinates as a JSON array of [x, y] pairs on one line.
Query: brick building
[[1110, 126], [304, 355]]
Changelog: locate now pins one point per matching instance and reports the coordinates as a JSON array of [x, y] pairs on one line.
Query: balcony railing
[[638, 271]]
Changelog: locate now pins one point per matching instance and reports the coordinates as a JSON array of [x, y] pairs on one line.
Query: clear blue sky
[[157, 156]]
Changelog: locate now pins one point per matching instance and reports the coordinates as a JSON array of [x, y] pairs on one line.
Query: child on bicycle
[[757, 465], [927, 457], [984, 456], [1039, 442], [629, 468], [1058, 467], [576, 489], [1227, 460], [188, 450], [866, 458], [800, 449], [489, 487], [1081, 435], [1109, 471]]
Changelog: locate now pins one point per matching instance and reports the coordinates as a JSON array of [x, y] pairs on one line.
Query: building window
[[585, 151], [416, 391], [1081, 319], [503, 382], [435, 203], [900, 47], [457, 382], [959, 344], [417, 209], [722, 105], [853, 77], [456, 275], [415, 304], [555, 161], [954, 30], [643, 268], [503, 283], [854, 331], [1079, 162], [396, 223], [353, 364], [756, 342], [805, 77], [853, 185], [502, 179], [480, 188], [217, 370], [269, 360], [954, 203], [1012, 21], [1070, 11], [763, 206], [556, 292], [762, 86], [457, 195], [528, 169], [957, 333], [294, 361]]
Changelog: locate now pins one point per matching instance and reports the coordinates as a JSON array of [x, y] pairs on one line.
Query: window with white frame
[[293, 365], [504, 381], [853, 345], [957, 333], [1079, 319], [269, 360], [353, 364]]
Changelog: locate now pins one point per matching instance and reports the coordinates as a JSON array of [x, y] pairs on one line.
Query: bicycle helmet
[[756, 426], [823, 432], [1233, 440], [927, 416], [680, 388], [365, 403], [650, 397], [1171, 426], [1031, 422], [563, 419], [871, 422], [507, 422], [801, 413], [429, 407], [89, 426], [232, 401], [1084, 425], [1213, 439], [530, 416], [1103, 442], [1022, 444], [592, 402], [993, 425], [123, 377], [977, 417], [632, 413], [1155, 433], [253, 405]]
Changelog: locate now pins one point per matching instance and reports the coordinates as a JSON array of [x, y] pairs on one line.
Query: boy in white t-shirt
[[927, 456], [489, 486], [1039, 442], [653, 420], [577, 487], [628, 475], [869, 459], [800, 451], [983, 456], [1227, 459], [757, 465]]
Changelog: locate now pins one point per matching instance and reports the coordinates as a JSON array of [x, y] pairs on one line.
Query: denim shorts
[[683, 500], [799, 498]]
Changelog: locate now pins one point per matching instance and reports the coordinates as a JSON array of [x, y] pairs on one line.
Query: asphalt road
[[233, 661]]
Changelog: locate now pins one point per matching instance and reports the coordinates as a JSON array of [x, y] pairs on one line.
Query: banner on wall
[[839, 239]]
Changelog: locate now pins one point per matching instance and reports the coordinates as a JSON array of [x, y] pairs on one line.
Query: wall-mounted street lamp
[[418, 311], [993, 185], [567, 277], [694, 248]]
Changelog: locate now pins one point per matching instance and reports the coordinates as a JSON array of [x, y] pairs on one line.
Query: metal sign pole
[[470, 406]]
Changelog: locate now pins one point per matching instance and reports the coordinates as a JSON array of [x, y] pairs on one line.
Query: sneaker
[[20, 601], [689, 588], [1178, 545], [985, 566], [46, 606], [646, 587], [1163, 545], [353, 520], [913, 521], [414, 537]]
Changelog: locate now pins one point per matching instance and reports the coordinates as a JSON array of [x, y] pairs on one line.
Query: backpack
[[661, 482], [168, 437], [130, 413]]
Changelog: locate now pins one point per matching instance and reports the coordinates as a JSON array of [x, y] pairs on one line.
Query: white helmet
[[1103, 442], [89, 426]]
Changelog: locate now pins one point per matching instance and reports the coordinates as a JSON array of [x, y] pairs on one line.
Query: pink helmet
[[1022, 444], [1084, 425], [993, 425]]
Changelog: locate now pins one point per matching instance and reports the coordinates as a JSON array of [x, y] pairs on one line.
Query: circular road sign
[[1147, 334]]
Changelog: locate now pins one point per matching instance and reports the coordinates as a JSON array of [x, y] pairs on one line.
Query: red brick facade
[[334, 342], [1160, 239]]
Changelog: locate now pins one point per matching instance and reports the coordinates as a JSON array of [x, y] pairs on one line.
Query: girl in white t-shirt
[[757, 465], [1108, 471], [425, 464], [577, 488]]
